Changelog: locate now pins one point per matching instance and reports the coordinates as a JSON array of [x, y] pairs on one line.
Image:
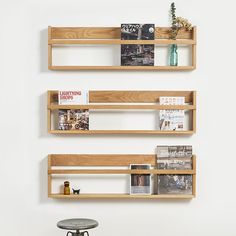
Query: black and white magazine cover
[[137, 54], [174, 157], [73, 119], [174, 184], [140, 183]]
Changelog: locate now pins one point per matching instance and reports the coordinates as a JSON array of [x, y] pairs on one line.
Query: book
[[174, 184], [140, 183], [171, 119], [68, 97], [137, 54], [73, 119]]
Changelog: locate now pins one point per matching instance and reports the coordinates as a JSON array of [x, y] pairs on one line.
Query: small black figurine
[[76, 191]]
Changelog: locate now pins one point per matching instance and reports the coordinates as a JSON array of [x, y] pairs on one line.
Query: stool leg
[[69, 232]]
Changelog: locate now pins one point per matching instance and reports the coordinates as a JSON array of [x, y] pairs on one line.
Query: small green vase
[[173, 55]]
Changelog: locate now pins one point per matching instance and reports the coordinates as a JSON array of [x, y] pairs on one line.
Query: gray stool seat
[[77, 224]]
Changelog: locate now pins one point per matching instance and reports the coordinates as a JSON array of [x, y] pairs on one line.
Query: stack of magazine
[[69, 119], [176, 158], [137, 54]]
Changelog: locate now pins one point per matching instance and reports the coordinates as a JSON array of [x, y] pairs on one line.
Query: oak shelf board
[[115, 171], [58, 36], [184, 132], [96, 107], [124, 68], [121, 196], [60, 42], [57, 161]]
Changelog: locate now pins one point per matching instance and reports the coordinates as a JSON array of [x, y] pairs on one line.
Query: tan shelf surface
[[161, 68], [187, 132], [120, 196], [95, 107]]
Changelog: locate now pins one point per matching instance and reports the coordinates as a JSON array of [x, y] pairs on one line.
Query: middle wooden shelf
[[127, 101]]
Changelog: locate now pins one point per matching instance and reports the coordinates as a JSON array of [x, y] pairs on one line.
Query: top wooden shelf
[[59, 36]]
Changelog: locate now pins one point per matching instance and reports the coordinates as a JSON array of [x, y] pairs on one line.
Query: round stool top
[[77, 224]]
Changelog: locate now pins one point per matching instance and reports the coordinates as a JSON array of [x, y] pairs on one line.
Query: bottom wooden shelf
[[120, 196]]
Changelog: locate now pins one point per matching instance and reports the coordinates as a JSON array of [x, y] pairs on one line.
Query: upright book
[[137, 54], [140, 183]]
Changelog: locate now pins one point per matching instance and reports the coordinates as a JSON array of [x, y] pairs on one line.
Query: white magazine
[[172, 119], [73, 97]]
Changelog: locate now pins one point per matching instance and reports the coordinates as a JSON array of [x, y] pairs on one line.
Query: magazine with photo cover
[[174, 157], [69, 97], [174, 151], [172, 119], [73, 119], [140, 183], [137, 54], [174, 184]]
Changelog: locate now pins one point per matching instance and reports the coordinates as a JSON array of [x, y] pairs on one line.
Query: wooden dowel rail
[[109, 171], [55, 42], [100, 107]]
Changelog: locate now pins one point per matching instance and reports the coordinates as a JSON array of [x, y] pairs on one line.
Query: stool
[[77, 225]]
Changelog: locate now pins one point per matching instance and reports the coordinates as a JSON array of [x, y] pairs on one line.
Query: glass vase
[[173, 55]]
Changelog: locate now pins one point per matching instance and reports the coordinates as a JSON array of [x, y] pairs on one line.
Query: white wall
[[24, 206]]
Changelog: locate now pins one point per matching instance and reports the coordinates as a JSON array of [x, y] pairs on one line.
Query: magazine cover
[[73, 119], [140, 183], [72, 97], [137, 54], [172, 119], [174, 151], [174, 184]]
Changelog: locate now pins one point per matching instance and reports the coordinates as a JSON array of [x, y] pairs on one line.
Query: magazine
[[140, 183], [174, 151], [73, 119], [137, 54], [72, 97], [174, 184], [172, 119]]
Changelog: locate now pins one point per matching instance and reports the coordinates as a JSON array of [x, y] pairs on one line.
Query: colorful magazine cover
[[137, 54], [172, 119], [69, 97], [73, 119]]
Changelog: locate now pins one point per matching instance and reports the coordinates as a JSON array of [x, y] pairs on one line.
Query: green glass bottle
[[173, 55]]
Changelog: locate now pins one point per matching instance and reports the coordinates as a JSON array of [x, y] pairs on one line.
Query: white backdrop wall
[[25, 208]]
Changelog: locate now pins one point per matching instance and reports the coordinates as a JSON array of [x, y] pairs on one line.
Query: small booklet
[[172, 119], [140, 183]]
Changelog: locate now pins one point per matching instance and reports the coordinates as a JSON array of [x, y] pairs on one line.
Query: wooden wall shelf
[[58, 161], [59, 36], [112, 100]]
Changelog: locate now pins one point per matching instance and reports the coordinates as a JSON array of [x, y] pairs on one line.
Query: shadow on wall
[[43, 114], [43, 50]]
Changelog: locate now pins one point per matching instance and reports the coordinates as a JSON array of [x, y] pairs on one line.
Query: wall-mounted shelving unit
[[61, 164], [59, 36], [125, 100]]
